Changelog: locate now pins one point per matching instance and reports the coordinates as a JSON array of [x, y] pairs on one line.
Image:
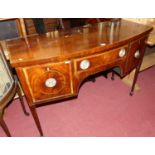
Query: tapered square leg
[[113, 76], [135, 80], [21, 100], [36, 119]]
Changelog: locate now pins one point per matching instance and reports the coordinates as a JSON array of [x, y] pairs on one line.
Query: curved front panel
[[92, 64]]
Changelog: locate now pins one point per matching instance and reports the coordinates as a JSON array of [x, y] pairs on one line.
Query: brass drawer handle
[[137, 54], [85, 64], [51, 82], [122, 52]]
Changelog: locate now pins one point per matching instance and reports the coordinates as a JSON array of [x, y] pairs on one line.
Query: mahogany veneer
[[52, 66]]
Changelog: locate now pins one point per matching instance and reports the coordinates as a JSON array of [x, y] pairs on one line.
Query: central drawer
[[49, 81], [98, 62]]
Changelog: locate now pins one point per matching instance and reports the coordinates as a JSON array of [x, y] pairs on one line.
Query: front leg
[[135, 79], [21, 100], [36, 119]]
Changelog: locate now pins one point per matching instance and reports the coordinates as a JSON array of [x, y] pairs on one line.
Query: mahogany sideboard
[[52, 66]]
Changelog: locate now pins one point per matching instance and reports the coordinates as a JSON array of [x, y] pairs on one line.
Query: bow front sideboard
[[52, 66]]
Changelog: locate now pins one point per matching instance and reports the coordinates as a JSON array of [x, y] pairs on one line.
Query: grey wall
[[8, 29]]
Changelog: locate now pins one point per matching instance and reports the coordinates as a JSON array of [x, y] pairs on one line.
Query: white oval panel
[[122, 52], [51, 82], [137, 54], [85, 64]]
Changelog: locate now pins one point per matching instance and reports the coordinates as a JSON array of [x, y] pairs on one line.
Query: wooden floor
[[149, 58]]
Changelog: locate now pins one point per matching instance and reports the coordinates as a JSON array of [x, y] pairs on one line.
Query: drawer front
[[99, 62], [49, 81], [136, 53]]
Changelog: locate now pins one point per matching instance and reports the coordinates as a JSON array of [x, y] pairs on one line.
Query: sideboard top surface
[[79, 41]]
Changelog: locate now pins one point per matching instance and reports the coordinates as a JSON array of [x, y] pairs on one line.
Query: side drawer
[[136, 53], [48, 81]]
